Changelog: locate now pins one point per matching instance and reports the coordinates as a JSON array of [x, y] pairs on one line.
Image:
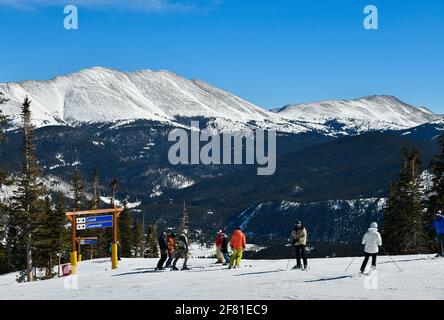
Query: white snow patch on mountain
[[372, 112], [51, 183], [129, 205]]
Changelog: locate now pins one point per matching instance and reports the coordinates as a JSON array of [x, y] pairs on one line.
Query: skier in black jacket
[[163, 246], [224, 248]]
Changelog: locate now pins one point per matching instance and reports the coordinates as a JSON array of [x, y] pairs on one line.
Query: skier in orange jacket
[[238, 243], [170, 250]]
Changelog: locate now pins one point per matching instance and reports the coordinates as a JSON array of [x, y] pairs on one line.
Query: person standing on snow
[[238, 243], [219, 255], [224, 248], [181, 250], [372, 241], [163, 246], [438, 225], [170, 250], [299, 241]]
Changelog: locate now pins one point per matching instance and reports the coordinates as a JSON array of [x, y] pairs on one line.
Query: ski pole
[[400, 270], [350, 263]]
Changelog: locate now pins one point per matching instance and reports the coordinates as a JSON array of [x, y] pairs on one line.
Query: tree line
[[34, 230], [410, 210]]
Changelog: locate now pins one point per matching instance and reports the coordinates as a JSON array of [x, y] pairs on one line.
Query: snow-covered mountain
[[105, 95], [372, 112]]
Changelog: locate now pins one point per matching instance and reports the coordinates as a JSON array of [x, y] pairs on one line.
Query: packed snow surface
[[421, 278]]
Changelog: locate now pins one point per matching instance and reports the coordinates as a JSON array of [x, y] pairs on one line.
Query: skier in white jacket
[[372, 241]]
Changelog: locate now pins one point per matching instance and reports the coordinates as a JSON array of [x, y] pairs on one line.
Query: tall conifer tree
[[125, 232], [28, 204], [403, 221]]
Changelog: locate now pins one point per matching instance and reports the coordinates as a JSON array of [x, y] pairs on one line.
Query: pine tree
[[139, 240], [152, 241], [184, 220], [42, 239], [79, 191], [435, 201], [95, 201], [55, 236], [4, 266], [27, 202], [2, 135], [125, 232], [403, 222], [114, 184]]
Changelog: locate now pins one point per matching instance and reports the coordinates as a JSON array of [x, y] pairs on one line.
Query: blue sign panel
[[88, 241], [101, 225], [98, 219]]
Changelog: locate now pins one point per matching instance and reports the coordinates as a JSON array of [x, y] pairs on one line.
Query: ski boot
[[174, 268], [297, 267]]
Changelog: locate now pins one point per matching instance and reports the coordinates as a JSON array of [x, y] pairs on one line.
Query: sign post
[[89, 219], [83, 241], [114, 255], [73, 248]]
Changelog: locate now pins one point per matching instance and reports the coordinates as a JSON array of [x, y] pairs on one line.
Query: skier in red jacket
[[219, 242]]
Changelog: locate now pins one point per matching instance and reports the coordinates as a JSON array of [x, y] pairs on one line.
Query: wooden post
[[58, 270], [79, 253], [73, 248], [114, 246]]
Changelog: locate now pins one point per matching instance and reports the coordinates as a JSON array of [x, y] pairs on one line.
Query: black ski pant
[[181, 253], [440, 239], [301, 252], [367, 257], [170, 259], [163, 257]]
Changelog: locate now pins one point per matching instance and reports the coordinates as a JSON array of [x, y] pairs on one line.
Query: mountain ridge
[[101, 94]]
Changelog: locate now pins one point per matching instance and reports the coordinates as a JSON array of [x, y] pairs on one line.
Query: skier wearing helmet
[[181, 250], [299, 241], [163, 246], [372, 241]]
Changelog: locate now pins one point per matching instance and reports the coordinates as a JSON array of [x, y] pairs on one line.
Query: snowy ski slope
[[421, 278]]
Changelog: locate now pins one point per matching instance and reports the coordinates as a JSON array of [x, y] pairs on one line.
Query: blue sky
[[270, 52]]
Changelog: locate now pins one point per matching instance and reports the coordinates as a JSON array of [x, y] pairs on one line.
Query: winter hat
[[374, 225], [439, 213]]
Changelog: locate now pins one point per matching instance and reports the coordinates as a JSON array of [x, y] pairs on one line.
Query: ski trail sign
[[99, 222], [89, 226], [90, 219]]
